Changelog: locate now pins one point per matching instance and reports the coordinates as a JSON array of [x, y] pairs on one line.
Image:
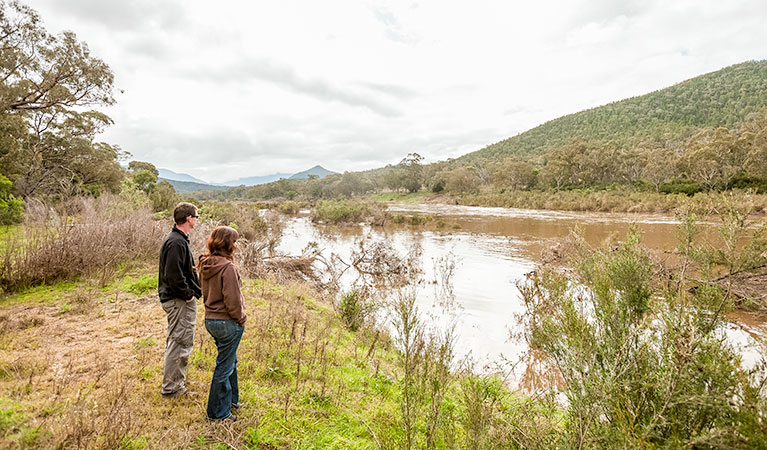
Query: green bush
[[639, 372], [352, 309], [289, 207], [680, 186], [244, 217], [745, 182], [11, 208], [339, 211]]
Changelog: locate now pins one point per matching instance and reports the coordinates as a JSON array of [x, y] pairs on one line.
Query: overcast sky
[[228, 89]]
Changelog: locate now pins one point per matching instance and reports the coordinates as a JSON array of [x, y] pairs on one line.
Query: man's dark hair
[[182, 211]]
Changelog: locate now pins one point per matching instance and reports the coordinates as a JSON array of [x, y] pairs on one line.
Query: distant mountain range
[[185, 183], [166, 174], [253, 181]]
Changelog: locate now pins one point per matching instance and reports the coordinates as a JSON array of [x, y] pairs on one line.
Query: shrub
[[352, 309], [289, 207], [245, 217], [680, 186], [747, 182], [339, 211], [99, 238], [11, 208], [638, 372]]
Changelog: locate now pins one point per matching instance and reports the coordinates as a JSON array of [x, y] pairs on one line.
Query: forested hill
[[722, 98]]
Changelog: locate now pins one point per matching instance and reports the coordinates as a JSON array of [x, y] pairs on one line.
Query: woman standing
[[224, 319]]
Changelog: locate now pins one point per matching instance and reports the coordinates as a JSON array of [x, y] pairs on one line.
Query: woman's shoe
[[229, 418]]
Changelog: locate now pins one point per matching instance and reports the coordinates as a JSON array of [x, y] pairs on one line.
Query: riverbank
[[584, 200], [81, 367]]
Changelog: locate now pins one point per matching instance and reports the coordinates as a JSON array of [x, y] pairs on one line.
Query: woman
[[224, 319]]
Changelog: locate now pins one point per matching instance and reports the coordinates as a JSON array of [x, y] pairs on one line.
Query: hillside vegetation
[[724, 98]]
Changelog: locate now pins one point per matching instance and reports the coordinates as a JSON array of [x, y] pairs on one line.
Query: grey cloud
[[151, 46], [520, 110], [124, 15], [600, 11], [287, 77], [384, 16], [400, 92]]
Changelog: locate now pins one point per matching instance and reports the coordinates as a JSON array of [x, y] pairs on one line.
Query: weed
[[146, 373], [11, 416], [639, 372], [146, 342], [352, 309], [96, 242], [143, 285]]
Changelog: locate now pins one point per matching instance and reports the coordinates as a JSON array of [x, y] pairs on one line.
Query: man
[[179, 290]]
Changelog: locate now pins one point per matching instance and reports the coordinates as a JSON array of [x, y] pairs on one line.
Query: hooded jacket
[[221, 289]]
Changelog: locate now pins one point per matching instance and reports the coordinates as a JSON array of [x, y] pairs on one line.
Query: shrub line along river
[[492, 249]]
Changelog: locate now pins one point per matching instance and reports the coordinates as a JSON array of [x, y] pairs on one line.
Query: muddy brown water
[[491, 250]]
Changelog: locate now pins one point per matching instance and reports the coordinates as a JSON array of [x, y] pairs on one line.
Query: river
[[489, 251]]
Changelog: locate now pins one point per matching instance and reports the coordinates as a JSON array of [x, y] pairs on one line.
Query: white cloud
[[233, 88]]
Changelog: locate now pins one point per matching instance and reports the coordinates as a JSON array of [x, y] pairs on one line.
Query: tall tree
[[412, 172], [47, 84]]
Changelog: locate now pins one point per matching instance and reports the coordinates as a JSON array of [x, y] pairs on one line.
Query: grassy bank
[[81, 367], [582, 200]]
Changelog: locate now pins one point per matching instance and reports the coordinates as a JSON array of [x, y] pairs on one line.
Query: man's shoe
[[183, 392]]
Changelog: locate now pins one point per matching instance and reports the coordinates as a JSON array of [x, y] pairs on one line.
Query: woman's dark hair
[[221, 241]]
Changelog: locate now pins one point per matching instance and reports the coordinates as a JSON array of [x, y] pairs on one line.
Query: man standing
[[179, 289]]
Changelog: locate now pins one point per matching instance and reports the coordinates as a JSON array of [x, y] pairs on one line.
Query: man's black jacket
[[177, 278]]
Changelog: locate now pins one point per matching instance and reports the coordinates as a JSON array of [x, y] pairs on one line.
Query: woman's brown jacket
[[221, 289]]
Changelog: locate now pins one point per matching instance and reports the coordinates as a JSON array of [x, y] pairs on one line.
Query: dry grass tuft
[[66, 247]]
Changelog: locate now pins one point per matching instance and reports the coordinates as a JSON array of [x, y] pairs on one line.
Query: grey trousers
[[178, 345]]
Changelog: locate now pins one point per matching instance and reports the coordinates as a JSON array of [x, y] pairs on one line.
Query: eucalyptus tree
[[48, 85]]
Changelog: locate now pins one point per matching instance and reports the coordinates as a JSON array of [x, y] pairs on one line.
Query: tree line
[[50, 90], [709, 159]]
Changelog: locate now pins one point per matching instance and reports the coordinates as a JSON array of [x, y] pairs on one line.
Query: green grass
[[49, 293], [11, 416], [143, 285], [135, 282], [400, 197], [340, 211], [8, 231]]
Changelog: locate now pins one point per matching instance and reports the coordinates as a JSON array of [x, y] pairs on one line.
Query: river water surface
[[488, 251]]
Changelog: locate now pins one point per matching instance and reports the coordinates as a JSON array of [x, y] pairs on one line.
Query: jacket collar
[[181, 233]]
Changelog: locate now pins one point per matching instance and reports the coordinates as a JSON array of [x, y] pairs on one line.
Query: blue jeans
[[223, 387]]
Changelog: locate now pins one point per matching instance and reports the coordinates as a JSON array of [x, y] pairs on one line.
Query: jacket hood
[[211, 265]]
